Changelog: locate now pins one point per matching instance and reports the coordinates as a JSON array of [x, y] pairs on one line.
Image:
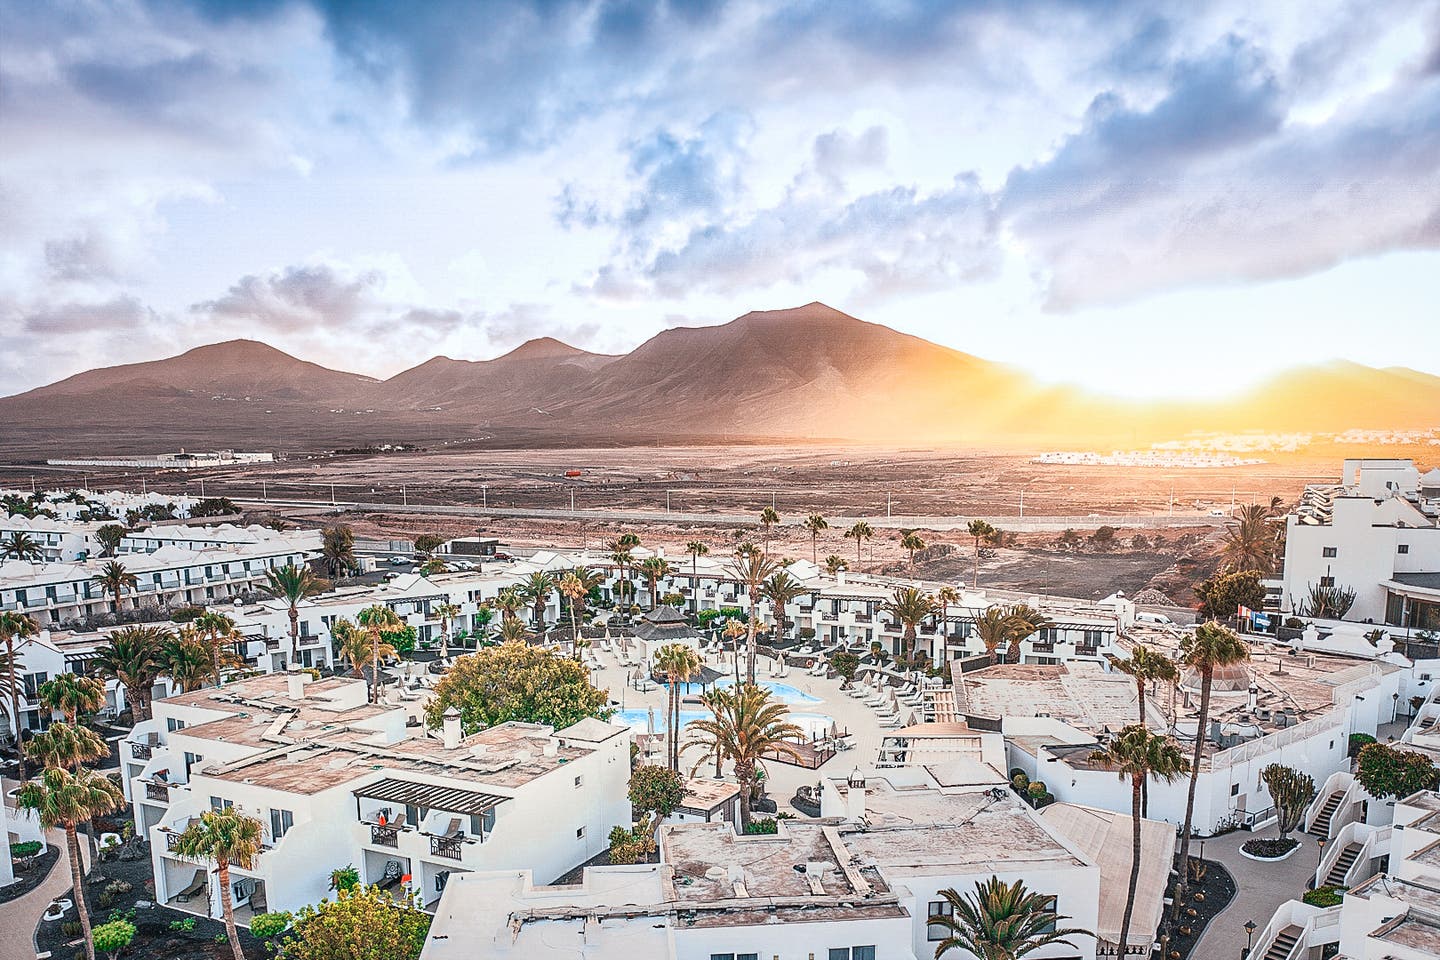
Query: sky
[[1147, 199]]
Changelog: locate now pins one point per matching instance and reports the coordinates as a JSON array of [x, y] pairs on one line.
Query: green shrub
[[345, 878], [119, 887], [1327, 896], [1019, 780], [1358, 741], [71, 928], [106, 900], [112, 937], [186, 925], [762, 826], [29, 848], [268, 925]]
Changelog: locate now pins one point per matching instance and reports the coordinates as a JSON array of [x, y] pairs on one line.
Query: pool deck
[[850, 715]]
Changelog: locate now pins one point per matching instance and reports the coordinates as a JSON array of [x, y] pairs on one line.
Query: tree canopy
[[1387, 771], [514, 681], [1221, 595], [358, 925]]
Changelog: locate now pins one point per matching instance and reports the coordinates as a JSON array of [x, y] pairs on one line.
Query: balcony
[[1083, 650], [384, 836], [141, 751], [172, 840], [448, 847], [158, 792]]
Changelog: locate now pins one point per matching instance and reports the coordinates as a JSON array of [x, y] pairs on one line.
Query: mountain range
[[807, 372]]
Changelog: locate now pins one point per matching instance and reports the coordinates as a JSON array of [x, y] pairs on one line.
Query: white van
[[1156, 619]]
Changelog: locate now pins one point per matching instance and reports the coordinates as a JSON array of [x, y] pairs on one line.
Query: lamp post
[[1321, 842], [1249, 937]]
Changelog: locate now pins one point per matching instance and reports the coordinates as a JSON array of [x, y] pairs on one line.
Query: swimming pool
[[781, 691], [814, 724]]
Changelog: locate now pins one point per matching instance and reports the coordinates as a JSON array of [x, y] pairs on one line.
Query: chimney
[[1254, 693], [840, 577], [552, 747], [855, 796], [452, 729], [295, 681]]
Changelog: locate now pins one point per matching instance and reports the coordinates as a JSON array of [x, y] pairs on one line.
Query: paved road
[[18, 917], [1261, 889]]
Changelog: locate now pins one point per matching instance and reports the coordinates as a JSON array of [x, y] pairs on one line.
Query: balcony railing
[[140, 751], [384, 836], [172, 840], [1083, 650], [157, 791], [447, 847]]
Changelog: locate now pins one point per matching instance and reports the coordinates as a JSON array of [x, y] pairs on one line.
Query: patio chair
[[197, 886], [391, 877], [453, 830], [257, 899]]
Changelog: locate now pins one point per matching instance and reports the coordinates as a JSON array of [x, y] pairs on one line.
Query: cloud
[[300, 298], [120, 314], [839, 153]]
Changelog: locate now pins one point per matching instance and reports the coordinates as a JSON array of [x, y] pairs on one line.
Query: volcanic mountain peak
[[544, 348]]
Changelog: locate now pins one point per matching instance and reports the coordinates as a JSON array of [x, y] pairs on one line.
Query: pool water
[[780, 691], [814, 724]]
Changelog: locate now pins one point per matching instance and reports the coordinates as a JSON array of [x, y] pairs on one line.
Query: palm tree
[[67, 746], [132, 656], [1145, 666], [780, 589], [572, 589], [696, 549], [733, 631], [746, 724], [338, 549], [622, 559], [114, 579], [293, 584], [946, 597], [993, 627], [1209, 647], [1024, 621], [678, 663], [834, 564], [910, 540], [654, 570], [20, 546], [447, 612], [72, 694], [1138, 754], [1000, 921], [480, 620], [217, 629], [978, 530], [860, 532], [13, 626], [224, 837], [1250, 541], [536, 591], [513, 630], [509, 602], [751, 569], [354, 646], [815, 523], [65, 800], [187, 660], [378, 620], [768, 519], [908, 606]]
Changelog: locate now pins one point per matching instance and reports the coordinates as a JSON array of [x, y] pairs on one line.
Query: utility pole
[[32, 485], [572, 499], [484, 496], [1022, 501], [202, 486], [332, 493], [404, 499], [772, 499], [667, 501], [263, 494], [143, 491], [887, 504]]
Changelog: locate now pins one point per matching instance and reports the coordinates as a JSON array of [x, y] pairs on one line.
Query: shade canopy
[[430, 796]]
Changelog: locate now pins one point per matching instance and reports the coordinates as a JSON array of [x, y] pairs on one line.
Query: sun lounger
[[391, 877], [453, 830], [197, 887]]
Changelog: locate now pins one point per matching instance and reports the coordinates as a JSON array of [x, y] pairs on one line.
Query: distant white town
[[629, 752]]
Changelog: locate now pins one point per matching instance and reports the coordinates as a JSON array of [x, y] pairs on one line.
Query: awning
[[430, 796]]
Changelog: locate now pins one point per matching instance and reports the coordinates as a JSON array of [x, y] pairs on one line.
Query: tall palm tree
[[622, 558], [1024, 621], [993, 627], [355, 647], [1000, 921], [733, 631], [20, 546], [509, 602], [815, 524], [186, 659], [910, 540], [217, 629], [337, 549], [946, 597], [114, 579], [447, 612], [513, 630], [293, 584], [1138, 754], [223, 837], [1146, 666], [751, 569], [63, 799], [480, 620], [745, 725], [572, 590], [1209, 647], [978, 530], [67, 746], [908, 606], [131, 655], [536, 590], [679, 663], [654, 569], [1250, 539], [72, 694], [834, 564], [859, 532], [780, 589], [696, 549], [377, 620], [768, 520], [15, 626]]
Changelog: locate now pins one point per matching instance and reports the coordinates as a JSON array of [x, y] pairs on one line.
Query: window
[[1049, 634], [172, 724], [220, 803], [1234, 789], [1327, 581], [579, 781], [1403, 548], [1049, 908], [280, 823], [580, 833], [853, 953], [734, 956], [1094, 637], [190, 760], [939, 908], [1328, 551]]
